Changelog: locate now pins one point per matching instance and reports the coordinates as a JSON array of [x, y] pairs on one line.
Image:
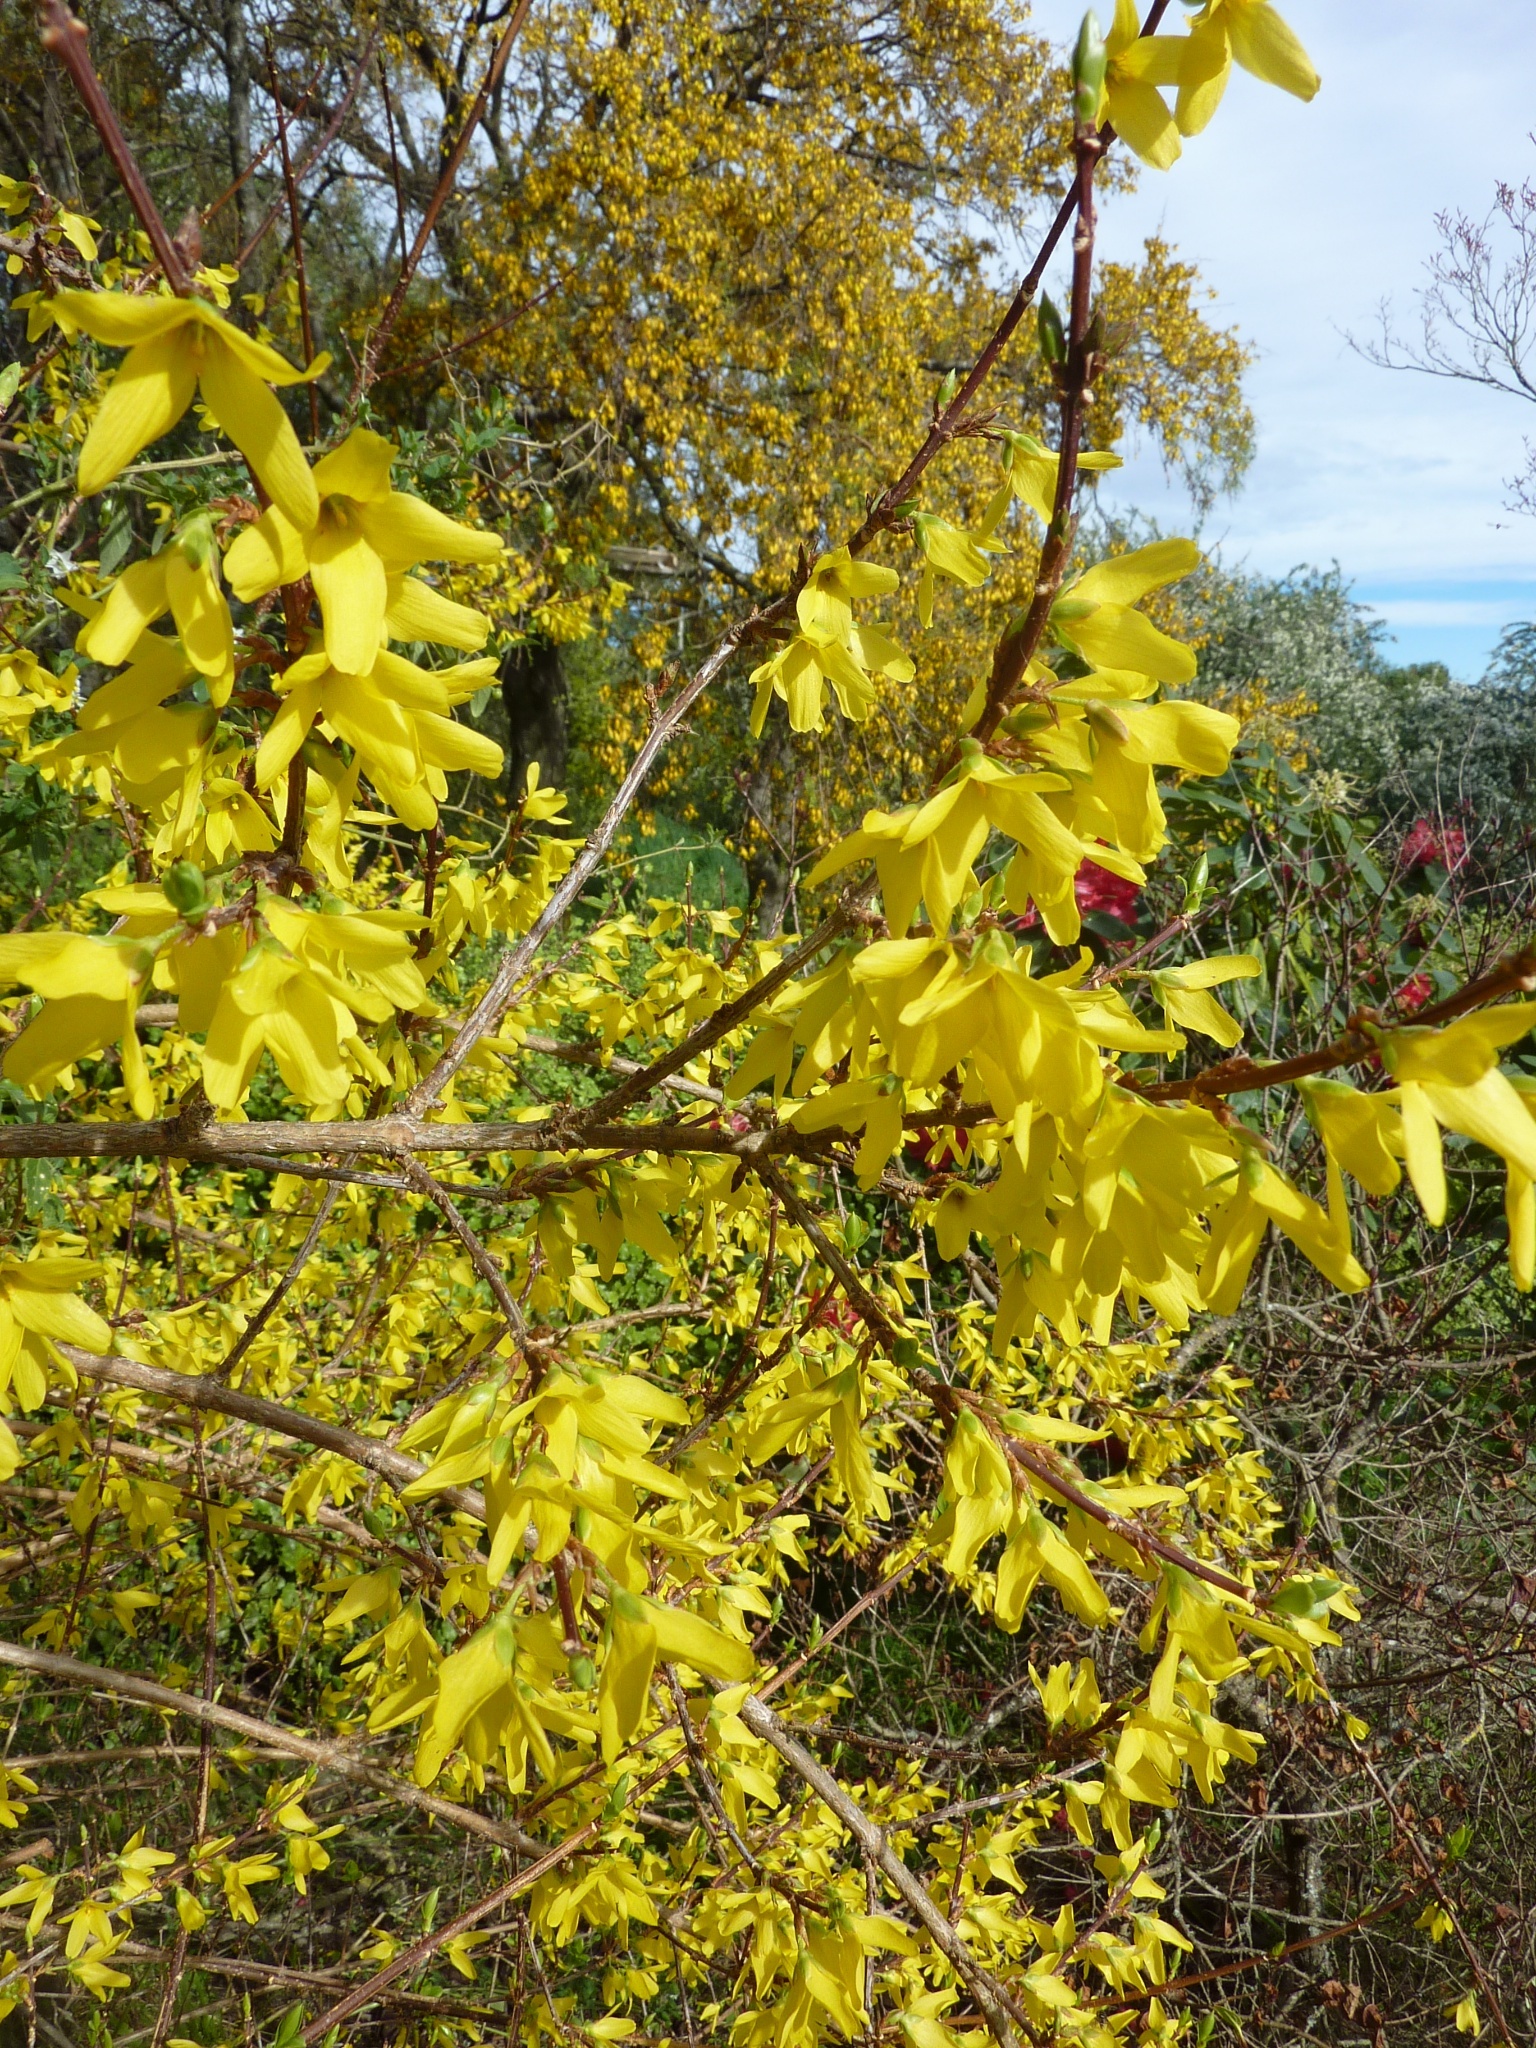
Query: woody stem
[[66, 37]]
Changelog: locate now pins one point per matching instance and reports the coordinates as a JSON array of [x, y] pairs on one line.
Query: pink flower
[[1096, 889], [1426, 845], [1415, 992]]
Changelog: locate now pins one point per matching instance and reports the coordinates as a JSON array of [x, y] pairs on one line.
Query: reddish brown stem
[[439, 198], [66, 37], [333, 129]]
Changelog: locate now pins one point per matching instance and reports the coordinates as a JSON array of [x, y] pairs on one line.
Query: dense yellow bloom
[[396, 716], [176, 346], [364, 537]]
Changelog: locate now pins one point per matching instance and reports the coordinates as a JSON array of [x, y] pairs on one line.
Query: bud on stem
[[1090, 61]]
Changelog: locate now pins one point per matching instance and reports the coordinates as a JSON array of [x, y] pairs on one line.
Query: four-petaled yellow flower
[[176, 346], [365, 535]]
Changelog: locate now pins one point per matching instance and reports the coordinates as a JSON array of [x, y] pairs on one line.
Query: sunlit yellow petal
[[446, 743], [1203, 75], [256, 423], [152, 389], [202, 617], [1265, 44], [418, 612], [350, 584], [118, 319], [1142, 117], [265, 554], [359, 468], [135, 601], [406, 530]]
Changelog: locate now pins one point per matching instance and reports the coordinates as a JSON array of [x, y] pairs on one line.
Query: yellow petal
[[1203, 75], [406, 530], [202, 617], [285, 735], [1142, 118], [1128, 578], [1421, 1150], [350, 585], [119, 319], [134, 602], [254, 420], [1267, 46], [264, 555], [60, 1034], [359, 468], [149, 394], [418, 612], [1118, 637], [445, 743]]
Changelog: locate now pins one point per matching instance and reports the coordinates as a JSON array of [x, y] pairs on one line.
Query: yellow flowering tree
[[481, 1341]]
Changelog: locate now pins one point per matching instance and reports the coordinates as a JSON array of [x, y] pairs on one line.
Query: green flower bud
[[583, 1672], [1053, 336], [1090, 60], [195, 537], [185, 887]]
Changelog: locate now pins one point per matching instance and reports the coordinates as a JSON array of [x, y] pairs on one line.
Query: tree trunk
[[534, 694], [237, 116], [768, 796]]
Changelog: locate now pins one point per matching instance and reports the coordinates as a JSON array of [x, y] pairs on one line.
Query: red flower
[[1415, 992], [1096, 889], [1426, 845]]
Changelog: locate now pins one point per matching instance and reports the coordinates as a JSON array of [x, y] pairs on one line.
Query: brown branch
[[322, 1756], [439, 198], [989, 1995], [199, 1392], [67, 38]]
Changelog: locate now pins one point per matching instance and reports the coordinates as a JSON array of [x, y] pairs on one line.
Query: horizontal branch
[[204, 1393], [390, 1137], [322, 1756]]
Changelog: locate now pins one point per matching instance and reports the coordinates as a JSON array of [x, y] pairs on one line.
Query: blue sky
[[1303, 219]]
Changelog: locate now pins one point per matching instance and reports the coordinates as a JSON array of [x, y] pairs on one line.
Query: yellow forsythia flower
[[176, 346], [365, 535]]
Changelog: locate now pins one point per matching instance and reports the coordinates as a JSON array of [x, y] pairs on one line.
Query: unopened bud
[[1053, 336], [1090, 61], [583, 1672], [184, 887]]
